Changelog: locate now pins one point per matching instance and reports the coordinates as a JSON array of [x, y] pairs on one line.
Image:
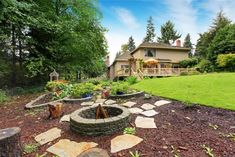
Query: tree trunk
[[13, 56], [10, 145]]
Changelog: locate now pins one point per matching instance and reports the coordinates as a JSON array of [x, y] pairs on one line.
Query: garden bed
[[127, 96], [78, 100]]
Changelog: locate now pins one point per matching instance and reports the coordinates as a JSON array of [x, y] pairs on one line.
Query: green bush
[[3, 96], [119, 88], [226, 61], [94, 81], [205, 66], [131, 80], [53, 86], [188, 63], [64, 92], [82, 90]]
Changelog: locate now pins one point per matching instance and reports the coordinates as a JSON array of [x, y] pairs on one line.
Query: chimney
[[107, 61], [178, 43]]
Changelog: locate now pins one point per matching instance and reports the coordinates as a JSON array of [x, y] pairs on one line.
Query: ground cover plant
[[215, 90]]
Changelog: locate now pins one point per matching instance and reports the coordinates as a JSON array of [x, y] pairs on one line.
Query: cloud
[[126, 17]]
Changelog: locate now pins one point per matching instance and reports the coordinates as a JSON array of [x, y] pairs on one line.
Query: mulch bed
[[173, 129]]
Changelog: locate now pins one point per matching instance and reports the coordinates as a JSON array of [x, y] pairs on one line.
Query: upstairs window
[[150, 53]]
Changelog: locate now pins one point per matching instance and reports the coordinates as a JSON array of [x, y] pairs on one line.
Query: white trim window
[[150, 53]]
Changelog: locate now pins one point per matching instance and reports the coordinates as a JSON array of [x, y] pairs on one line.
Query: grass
[[3, 96], [216, 90]]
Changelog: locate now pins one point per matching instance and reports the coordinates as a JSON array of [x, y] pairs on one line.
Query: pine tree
[[131, 44], [150, 33], [168, 33], [188, 44]]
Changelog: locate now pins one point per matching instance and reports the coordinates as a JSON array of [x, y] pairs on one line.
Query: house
[[149, 59]]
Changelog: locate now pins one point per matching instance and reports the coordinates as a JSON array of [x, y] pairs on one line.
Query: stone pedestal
[[10, 145]]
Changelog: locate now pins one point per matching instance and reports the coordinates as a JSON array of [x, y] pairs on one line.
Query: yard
[[216, 90]]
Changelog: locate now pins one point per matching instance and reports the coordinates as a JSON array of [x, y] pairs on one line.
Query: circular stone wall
[[83, 121]]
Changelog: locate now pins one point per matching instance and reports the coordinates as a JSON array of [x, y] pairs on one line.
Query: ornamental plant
[[119, 88], [82, 90]]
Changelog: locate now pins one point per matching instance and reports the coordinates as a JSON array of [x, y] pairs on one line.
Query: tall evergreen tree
[[188, 44], [131, 44], [150, 33], [168, 33]]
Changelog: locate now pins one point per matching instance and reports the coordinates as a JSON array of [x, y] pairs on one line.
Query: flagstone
[[150, 113], [48, 136], [135, 110], [100, 100], [87, 103], [144, 122], [148, 106], [94, 152], [67, 148], [129, 104], [161, 102], [110, 102], [65, 118], [123, 142]]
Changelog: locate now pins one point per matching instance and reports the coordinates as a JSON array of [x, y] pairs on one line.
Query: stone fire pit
[[84, 122]]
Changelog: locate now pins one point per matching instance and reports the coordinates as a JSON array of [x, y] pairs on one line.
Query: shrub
[[118, 88], [205, 66], [131, 80], [3, 96], [226, 61], [82, 90], [129, 130], [188, 63], [94, 81], [55, 85], [63, 92]]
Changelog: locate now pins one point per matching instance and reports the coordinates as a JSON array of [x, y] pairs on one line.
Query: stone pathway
[[123, 142], [48, 136], [65, 118], [109, 102], [94, 152], [135, 110], [144, 122], [67, 148], [161, 102], [87, 103], [150, 113], [100, 101], [147, 106], [129, 104]]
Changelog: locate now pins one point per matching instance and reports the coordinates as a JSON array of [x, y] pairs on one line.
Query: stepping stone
[[150, 113], [100, 101], [123, 142], [67, 148], [110, 102], [87, 103], [135, 110], [48, 136], [129, 104], [94, 152], [232, 127], [162, 102], [147, 106], [143, 122], [65, 118]]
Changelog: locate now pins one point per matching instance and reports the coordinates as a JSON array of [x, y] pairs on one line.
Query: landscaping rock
[[162, 102], [48, 136], [232, 127], [129, 104], [123, 142], [100, 101], [135, 110], [143, 122], [65, 118], [94, 152], [147, 106], [109, 102], [150, 113], [87, 103], [67, 148]]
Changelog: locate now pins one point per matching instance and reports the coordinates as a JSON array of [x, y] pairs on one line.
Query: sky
[[125, 18]]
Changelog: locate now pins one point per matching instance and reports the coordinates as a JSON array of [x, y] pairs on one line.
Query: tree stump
[[10, 145]]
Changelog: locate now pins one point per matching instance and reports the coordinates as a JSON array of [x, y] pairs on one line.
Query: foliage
[[150, 32], [190, 73], [3, 96], [124, 48], [64, 91], [55, 85], [230, 135], [131, 44], [43, 155], [175, 152], [226, 61], [188, 63], [205, 66], [131, 80], [168, 33], [208, 150], [94, 81], [213, 90], [30, 148], [82, 90], [119, 88], [188, 44], [136, 154], [129, 130]]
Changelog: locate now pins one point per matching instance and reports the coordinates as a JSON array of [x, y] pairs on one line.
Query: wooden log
[[101, 112], [10, 145], [55, 110]]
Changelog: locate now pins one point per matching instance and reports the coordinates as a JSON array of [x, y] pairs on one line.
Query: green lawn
[[217, 90]]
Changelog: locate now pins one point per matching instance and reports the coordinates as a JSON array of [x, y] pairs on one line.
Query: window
[[150, 53], [124, 66]]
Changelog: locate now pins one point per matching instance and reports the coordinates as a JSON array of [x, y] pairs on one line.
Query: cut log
[[101, 112], [55, 110], [10, 145]]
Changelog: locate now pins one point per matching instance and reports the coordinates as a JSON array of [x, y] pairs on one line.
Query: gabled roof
[[124, 56], [159, 46]]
